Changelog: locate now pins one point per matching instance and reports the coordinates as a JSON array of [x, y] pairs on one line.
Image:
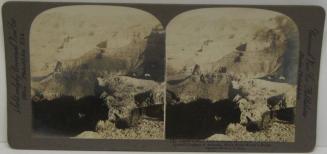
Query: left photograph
[[97, 72]]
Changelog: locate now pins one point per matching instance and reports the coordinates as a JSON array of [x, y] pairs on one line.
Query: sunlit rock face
[[71, 47], [254, 43], [71, 32]]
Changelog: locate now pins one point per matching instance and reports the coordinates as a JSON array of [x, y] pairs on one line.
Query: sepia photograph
[[162, 77], [231, 75], [97, 72]]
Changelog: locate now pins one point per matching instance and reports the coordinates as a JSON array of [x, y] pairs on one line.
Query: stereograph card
[[162, 77]]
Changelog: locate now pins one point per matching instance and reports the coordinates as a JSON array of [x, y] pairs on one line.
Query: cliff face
[[246, 48], [143, 58], [256, 63], [271, 52], [77, 77]]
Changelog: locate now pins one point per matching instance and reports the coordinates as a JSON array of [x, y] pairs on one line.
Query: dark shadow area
[[254, 126], [154, 112], [66, 116], [287, 115], [200, 119]]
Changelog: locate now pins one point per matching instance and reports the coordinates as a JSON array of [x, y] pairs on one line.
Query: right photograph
[[231, 75]]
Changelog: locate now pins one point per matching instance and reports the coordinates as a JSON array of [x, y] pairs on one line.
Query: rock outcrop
[[123, 95], [257, 97], [213, 86]]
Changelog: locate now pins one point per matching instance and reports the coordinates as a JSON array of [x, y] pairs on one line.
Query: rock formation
[[214, 86], [124, 94]]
